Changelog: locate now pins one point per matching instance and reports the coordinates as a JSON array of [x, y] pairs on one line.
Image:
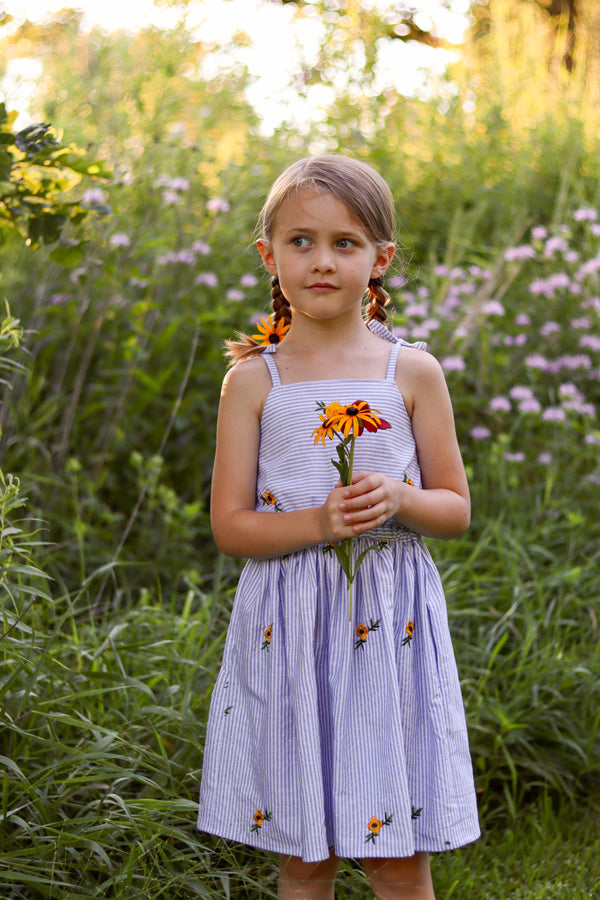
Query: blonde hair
[[362, 190]]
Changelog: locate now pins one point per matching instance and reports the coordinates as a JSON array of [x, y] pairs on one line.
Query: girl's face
[[322, 255]]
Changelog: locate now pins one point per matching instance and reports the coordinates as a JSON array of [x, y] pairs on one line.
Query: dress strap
[[382, 331], [391, 370], [267, 355]]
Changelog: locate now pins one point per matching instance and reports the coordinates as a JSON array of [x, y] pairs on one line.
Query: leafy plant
[[36, 170]]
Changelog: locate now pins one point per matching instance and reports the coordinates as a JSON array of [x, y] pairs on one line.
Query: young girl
[[332, 738]]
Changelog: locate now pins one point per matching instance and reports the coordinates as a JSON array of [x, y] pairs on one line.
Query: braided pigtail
[[280, 303], [246, 345], [378, 300]]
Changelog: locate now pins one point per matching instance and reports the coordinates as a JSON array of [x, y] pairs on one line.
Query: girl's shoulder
[[418, 374], [248, 381]]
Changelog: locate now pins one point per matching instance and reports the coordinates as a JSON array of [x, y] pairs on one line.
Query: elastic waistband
[[389, 532]]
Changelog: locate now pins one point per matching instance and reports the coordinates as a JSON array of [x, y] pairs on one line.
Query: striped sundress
[[325, 732]]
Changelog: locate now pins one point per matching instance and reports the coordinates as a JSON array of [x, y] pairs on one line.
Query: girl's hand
[[369, 501], [334, 526]]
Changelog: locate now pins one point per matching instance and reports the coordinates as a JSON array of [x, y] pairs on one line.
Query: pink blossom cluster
[[546, 323]]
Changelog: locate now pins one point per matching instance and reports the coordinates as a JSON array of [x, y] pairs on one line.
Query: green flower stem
[[349, 540]]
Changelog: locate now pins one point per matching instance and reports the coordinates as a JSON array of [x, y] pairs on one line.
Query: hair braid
[[378, 300], [280, 303]]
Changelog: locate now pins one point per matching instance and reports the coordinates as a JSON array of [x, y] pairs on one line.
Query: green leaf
[[70, 256], [344, 560]]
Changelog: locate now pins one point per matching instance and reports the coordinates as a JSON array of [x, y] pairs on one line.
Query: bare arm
[[240, 530], [443, 508]]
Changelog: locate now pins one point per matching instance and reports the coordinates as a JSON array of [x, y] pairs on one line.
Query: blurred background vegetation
[[128, 202]]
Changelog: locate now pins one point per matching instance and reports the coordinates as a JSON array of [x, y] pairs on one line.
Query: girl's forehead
[[309, 205]]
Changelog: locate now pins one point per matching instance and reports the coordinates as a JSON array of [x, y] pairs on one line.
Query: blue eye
[[300, 241], [345, 243]]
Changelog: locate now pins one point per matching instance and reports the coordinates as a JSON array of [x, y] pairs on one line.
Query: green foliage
[[36, 170]]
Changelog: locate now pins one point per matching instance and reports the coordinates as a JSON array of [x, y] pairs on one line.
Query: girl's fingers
[[363, 501], [369, 514]]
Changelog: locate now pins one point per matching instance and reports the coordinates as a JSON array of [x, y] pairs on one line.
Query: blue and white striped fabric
[[324, 732]]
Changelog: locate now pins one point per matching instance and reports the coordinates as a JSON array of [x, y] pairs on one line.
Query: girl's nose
[[323, 260]]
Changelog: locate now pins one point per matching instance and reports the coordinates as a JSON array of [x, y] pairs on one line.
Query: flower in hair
[[270, 333]]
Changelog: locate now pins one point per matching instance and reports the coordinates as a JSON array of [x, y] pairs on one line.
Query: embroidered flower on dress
[[409, 630], [415, 813], [375, 825], [267, 640], [260, 817], [269, 333], [269, 499], [363, 630]]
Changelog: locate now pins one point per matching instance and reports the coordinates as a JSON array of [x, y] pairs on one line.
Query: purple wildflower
[[531, 405], [555, 245], [537, 361], [416, 310], [420, 333], [119, 239], [515, 254], [573, 361], [591, 342], [569, 390], [93, 196], [453, 364], [492, 308], [559, 280], [520, 392], [217, 204], [207, 278], [549, 328], [585, 214], [588, 268], [499, 404], [554, 414]]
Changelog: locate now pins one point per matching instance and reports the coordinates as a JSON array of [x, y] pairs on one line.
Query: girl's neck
[[328, 336], [331, 352]]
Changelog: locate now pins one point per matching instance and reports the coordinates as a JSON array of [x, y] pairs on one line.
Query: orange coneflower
[[355, 417], [270, 333]]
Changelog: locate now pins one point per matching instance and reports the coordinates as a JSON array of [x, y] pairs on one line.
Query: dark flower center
[[273, 338], [352, 411]]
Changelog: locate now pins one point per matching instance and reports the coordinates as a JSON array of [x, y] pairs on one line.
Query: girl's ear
[[266, 252], [385, 254]]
